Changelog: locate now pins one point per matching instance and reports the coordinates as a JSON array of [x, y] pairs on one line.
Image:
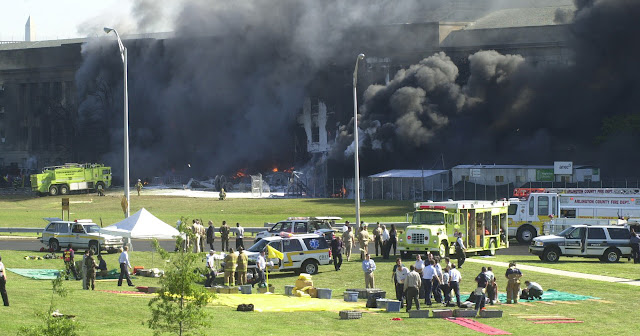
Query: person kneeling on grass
[[533, 291]]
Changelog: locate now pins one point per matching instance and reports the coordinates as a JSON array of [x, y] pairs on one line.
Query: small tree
[[53, 325], [178, 307]]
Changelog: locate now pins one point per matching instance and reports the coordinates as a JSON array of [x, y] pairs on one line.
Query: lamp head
[[107, 30], [361, 56]]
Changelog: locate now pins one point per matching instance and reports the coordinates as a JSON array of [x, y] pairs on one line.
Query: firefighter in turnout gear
[[139, 186], [223, 194], [513, 276], [68, 262], [243, 262], [230, 265]]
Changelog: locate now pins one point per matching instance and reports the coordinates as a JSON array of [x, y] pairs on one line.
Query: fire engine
[[434, 225], [71, 177], [535, 206]]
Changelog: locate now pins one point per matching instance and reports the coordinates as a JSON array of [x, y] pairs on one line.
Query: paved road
[[32, 244], [558, 272]]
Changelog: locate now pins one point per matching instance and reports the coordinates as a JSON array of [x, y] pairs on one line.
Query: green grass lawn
[[102, 313], [28, 212], [621, 269]]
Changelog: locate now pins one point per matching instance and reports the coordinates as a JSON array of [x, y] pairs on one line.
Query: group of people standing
[[89, 267], [426, 279], [207, 236], [383, 240]]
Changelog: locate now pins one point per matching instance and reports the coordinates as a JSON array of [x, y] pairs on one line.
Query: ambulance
[[434, 227], [535, 206]]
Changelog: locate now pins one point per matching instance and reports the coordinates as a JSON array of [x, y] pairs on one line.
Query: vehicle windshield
[[565, 232], [281, 226], [92, 228], [427, 217], [513, 209], [259, 246]]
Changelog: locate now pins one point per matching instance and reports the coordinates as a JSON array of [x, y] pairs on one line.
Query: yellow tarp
[[282, 303]]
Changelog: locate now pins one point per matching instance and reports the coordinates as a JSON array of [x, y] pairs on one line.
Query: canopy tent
[[142, 225]]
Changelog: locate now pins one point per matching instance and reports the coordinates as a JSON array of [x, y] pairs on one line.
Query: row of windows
[[498, 178]]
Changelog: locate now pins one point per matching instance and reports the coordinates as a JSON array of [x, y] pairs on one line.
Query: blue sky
[[60, 19]]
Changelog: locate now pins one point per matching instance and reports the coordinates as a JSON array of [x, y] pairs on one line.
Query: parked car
[[302, 253], [607, 242], [302, 225], [81, 234]]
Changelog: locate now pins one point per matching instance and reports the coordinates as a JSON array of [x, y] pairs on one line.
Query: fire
[[240, 173], [275, 169]]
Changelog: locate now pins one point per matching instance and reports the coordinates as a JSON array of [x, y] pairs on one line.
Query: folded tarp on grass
[[548, 295], [50, 274], [38, 274], [282, 303]]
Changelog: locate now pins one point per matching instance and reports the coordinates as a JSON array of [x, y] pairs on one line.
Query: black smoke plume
[[509, 111]]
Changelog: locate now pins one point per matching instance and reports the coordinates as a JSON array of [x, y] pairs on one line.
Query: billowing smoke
[[509, 111], [224, 91]]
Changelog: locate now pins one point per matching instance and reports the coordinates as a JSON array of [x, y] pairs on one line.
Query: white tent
[[142, 225]]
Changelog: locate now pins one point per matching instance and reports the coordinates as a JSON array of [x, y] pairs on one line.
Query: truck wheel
[[53, 190], [493, 246], [525, 234], [95, 247], [54, 245], [64, 189], [310, 267], [443, 252], [611, 255], [551, 254], [99, 186]]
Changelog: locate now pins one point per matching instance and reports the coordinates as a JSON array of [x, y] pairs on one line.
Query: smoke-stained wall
[[510, 111]]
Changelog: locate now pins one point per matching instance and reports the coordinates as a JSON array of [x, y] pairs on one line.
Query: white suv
[[302, 253], [81, 234], [607, 242], [301, 225]]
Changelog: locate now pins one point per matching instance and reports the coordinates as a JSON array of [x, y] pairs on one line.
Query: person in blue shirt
[[368, 266]]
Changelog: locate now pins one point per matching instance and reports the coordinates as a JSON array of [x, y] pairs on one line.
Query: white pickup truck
[[81, 234]]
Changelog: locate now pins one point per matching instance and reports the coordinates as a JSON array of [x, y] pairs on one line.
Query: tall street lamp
[[123, 54], [355, 139]]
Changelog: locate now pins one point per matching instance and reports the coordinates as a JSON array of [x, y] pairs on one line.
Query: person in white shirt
[[419, 266], [460, 250], [385, 242], [399, 275], [211, 266], [533, 290], [3, 283], [239, 236], [492, 288], [125, 265], [261, 264], [437, 280], [454, 282], [444, 286], [428, 276]]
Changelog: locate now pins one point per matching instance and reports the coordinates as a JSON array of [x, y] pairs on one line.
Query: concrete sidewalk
[[557, 272]]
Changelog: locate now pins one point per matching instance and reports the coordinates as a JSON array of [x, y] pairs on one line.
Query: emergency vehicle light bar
[[433, 207]]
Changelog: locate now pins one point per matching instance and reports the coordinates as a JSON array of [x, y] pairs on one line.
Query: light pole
[[355, 140], [123, 54]]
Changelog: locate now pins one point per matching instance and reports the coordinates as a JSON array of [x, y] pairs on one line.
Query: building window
[[565, 178], [499, 178], [465, 178]]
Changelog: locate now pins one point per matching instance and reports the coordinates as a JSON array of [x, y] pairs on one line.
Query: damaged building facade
[[38, 109]]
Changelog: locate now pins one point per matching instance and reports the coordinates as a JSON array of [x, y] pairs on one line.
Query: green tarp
[[548, 295], [38, 274]]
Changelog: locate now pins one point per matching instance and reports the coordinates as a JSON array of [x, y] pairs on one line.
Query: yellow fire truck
[[434, 226], [60, 180]]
